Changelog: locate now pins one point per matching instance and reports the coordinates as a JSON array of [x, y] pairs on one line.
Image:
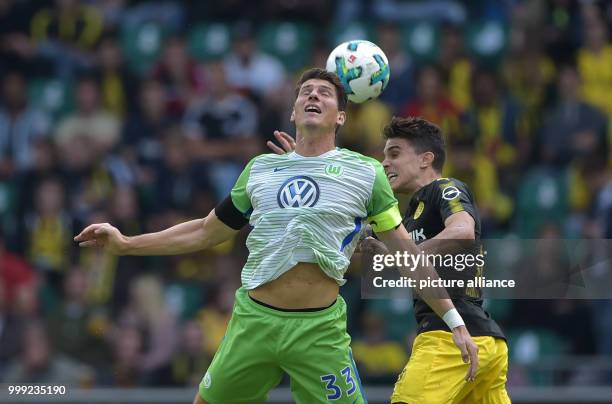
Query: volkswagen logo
[[298, 192]]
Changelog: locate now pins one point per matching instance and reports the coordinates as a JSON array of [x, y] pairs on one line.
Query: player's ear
[[292, 117], [341, 118], [427, 159]]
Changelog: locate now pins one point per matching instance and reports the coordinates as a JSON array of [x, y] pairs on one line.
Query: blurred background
[[143, 113]]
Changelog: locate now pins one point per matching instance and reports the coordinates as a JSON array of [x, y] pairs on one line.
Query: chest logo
[[450, 193], [334, 170], [419, 210], [298, 192]]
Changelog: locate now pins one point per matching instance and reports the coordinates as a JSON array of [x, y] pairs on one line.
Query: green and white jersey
[[310, 209]]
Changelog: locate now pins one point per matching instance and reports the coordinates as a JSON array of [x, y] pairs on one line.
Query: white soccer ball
[[362, 67]]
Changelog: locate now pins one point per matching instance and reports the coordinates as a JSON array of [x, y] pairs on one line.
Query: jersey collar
[[333, 152]]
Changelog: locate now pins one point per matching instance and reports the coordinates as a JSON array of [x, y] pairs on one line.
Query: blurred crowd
[[143, 113]]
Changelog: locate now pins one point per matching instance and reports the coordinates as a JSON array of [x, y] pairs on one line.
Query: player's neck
[[427, 178], [314, 144]]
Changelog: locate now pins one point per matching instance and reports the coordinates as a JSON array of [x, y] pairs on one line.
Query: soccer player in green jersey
[[307, 209]]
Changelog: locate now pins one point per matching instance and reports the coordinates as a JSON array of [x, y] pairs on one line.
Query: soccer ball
[[362, 67]]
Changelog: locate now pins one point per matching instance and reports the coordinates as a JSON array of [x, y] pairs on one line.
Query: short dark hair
[[423, 135], [322, 74]]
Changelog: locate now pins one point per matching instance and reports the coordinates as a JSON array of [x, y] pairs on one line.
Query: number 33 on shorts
[[335, 384]]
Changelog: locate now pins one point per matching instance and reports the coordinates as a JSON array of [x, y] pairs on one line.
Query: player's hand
[[287, 143], [469, 350], [103, 235], [371, 246]]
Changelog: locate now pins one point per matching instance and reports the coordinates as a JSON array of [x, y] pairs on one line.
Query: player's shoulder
[[445, 182], [267, 158], [365, 161], [449, 187]]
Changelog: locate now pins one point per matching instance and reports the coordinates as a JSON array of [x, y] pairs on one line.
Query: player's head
[[414, 151], [320, 102]]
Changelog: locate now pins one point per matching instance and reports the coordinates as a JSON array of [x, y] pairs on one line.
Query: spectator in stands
[[21, 126], [16, 49], [143, 132], [50, 231], [573, 128], [181, 76], [148, 311], [191, 358], [494, 207], [456, 66], [214, 316], [529, 75], [379, 358], [38, 364], [44, 165], [594, 61], [89, 120], [75, 328], [401, 87], [247, 68], [432, 102], [218, 122], [15, 272], [125, 369], [494, 120], [117, 84], [178, 178], [362, 131], [67, 34]]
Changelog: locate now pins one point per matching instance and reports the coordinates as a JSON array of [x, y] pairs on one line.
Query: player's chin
[[394, 181]]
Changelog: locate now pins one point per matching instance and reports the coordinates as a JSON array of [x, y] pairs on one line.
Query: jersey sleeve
[[235, 210], [383, 211], [452, 197]]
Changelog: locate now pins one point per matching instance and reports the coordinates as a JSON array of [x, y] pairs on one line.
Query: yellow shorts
[[435, 372]]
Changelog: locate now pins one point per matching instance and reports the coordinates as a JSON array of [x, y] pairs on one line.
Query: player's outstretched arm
[[183, 238], [286, 142], [438, 299]]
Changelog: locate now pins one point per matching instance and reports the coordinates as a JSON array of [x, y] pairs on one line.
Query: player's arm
[[397, 240], [458, 226], [183, 238], [385, 219], [220, 225], [457, 209]]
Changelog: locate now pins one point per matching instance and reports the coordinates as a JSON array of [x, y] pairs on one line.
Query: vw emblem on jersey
[[298, 192], [450, 193]]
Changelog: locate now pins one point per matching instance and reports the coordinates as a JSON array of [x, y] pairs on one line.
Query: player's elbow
[[465, 233]]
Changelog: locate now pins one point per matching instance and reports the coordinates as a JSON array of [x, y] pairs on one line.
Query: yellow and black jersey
[[429, 208]]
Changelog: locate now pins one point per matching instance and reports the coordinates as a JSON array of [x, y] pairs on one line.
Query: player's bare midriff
[[304, 286]]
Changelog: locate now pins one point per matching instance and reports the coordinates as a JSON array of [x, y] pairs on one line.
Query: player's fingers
[[274, 147], [89, 243], [473, 350], [464, 352], [285, 144], [86, 232], [288, 137]]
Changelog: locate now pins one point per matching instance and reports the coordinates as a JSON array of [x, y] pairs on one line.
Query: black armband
[[229, 215]]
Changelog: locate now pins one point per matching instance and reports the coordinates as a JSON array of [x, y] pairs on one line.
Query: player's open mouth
[[391, 177], [312, 108]]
